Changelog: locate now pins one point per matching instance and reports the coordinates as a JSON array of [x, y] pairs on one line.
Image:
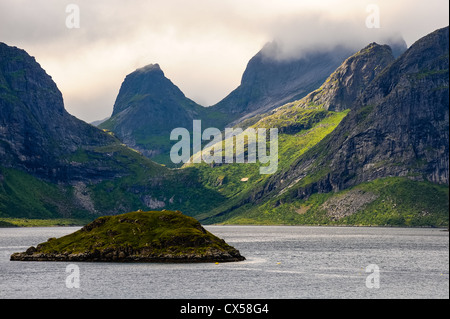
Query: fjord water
[[282, 262]]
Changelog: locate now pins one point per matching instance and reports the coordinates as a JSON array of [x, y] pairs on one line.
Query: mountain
[[269, 82], [338, 93], [398, 126], [368, 146], [37, 134], [388, 156], [301, 124], [54, 165], [148, 107], [346, 84]]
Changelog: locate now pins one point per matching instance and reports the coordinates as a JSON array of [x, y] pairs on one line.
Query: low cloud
[[298, 36]]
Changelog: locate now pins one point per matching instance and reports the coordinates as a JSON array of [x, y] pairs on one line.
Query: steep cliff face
[[345, 85], [399, 126], [269, 82], [36, 132], [338, 93]]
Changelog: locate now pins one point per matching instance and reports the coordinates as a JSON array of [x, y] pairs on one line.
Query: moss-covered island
[[154, 236]]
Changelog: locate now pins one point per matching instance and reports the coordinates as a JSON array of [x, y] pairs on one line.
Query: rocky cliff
[[389, 155], [338, 93], [398, 127], [37, 134], [345, 85]]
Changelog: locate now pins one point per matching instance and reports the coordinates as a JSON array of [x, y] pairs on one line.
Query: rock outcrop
[[339, 92], [346, 84], [166, 236]]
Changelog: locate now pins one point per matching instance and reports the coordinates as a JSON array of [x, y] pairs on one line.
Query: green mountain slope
[[368, 147], [301, 124], [381, 140], [392, 201]]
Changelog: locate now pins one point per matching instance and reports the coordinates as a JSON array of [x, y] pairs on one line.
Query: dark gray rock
[[36, 133]]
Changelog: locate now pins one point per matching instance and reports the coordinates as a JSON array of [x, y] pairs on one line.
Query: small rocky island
[[155, 236]]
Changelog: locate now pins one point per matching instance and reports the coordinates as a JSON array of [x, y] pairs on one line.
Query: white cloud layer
[[203, 46]]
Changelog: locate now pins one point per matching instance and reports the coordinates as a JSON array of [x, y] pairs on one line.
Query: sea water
[[282, 262]]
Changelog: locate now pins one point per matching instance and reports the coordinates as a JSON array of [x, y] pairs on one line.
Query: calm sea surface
[[282, 262]]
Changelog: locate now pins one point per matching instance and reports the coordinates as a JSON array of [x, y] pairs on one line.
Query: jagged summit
[[150, 68], [339, 92], [269, 82], [148, 107], [36, 132], [147, 85], [344, 86], [273, 78]]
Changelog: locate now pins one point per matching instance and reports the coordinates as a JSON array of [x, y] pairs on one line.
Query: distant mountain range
[[363, 140]]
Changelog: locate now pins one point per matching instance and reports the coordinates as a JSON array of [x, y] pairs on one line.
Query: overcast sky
[[203, 46]]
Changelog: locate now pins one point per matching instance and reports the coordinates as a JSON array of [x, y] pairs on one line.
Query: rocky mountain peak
[[150, 68], [37, 134], [269, 82], [145, 83], [146, 110], [343, 87]]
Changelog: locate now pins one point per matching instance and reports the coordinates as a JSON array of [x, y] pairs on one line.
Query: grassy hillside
[[385, 202], [24, 196], [388, 202], [305, 128], [137, 183]]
